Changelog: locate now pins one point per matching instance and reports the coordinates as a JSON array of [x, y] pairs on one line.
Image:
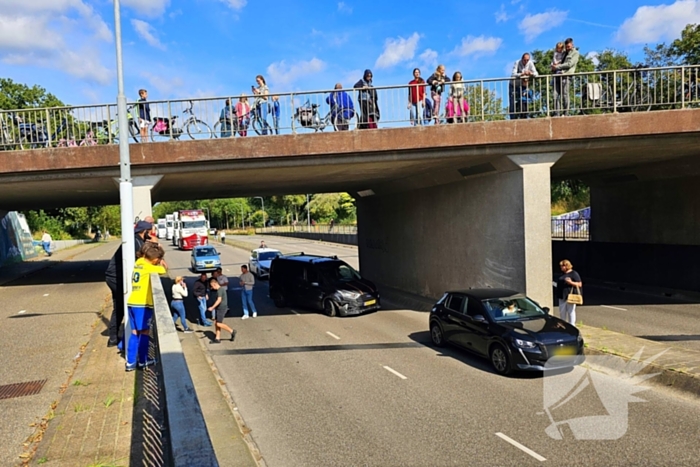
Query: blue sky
[[197, 48]]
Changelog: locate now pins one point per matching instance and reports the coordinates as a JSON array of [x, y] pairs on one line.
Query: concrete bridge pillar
[[142, 186], [491, 229]]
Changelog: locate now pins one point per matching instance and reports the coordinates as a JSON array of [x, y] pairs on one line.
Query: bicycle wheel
[[197, 129], [256, 125], [134, 130]]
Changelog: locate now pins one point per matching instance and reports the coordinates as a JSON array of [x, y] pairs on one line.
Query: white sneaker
[[245, 317], [255, 314]]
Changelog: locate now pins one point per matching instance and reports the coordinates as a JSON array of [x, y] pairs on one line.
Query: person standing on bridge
[[368, 101], [567, 68], [46, 243], [144, 114], [247, 281], [437, 87], [416, 97], [243, 112], [568, 283], [522, 70], [260, 105]]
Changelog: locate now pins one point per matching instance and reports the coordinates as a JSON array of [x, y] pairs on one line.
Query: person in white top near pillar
[[178, 304], [46, 242]]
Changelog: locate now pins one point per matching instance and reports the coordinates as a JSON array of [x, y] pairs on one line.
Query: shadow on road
[[64, 272]]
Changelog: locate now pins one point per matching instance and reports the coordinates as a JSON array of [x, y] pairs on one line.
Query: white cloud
[[235, 4], [147, 33], [281, 74], [594, 57], [501, 15], [478, 46], [149, 8], [84, 64], [662, 22], [344, 8], [429, 58], [533, 25], [397, 50], [164, 84]]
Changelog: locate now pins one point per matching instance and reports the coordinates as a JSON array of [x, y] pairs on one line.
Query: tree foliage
[[20, 96]]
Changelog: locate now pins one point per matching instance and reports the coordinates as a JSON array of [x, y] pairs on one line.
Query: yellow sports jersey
[[141, 294]]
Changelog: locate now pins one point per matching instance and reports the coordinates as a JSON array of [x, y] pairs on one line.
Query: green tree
[[686, 49], [611, 59], [20, 96]]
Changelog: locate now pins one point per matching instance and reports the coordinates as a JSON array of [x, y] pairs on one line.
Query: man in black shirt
[[113, 277], [200, 292]]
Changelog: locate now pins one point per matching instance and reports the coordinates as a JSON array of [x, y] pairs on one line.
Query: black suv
[[321, 283]]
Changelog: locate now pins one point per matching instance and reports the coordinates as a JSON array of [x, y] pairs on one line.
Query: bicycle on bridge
[[164, 129]]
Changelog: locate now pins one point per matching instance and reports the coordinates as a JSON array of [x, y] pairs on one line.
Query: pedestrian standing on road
[[569, 282], [247, 281], [219, 310], [140, 305], [220, 278], [114, 278], [331, 224], [262, 244], [46, 243], [223, 237], [200, 292], [179, 294]]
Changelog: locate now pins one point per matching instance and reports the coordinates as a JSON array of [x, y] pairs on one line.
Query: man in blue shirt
[[342, 108]]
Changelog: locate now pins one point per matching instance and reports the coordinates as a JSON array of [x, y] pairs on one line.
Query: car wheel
[[436, 335], [500, 360], [329, 308]]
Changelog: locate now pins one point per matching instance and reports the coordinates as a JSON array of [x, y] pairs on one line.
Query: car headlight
[[349, 294], [524, 344], [579, 339], [200, 263]]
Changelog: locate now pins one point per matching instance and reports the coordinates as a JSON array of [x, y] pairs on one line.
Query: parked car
[[260, 259], [321, 283], [507, 327], [205, 258]]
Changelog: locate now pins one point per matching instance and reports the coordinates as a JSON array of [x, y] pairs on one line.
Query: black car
[[513, 331], [321, 283]]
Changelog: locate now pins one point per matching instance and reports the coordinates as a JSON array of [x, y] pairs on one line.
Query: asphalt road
[[370, 390], [44, 319]]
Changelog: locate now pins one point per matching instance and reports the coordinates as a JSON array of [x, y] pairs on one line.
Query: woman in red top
[[416, 97]]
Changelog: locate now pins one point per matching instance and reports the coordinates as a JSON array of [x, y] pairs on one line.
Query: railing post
[[47, 127], [548, 106], [482, 100], [291, 103], [109, 125], [683, 87], [614, 92], [170, 121]]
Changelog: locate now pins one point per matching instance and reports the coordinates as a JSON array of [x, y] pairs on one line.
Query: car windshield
[[205, 252], [338, 271], [267, 255], [193, 224], [512, 308], [161, 225]]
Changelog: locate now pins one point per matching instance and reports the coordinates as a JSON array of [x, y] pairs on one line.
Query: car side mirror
[[480, 319], [546, 309]]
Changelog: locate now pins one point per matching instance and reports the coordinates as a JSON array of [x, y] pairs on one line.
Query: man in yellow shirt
[[140, 305]]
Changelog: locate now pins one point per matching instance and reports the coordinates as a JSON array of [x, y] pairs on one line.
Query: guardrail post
[[109, 125], [614, 96], [683, 87], [47, 127], [548, 106], [291, 103], [170, 121], [481, 86]]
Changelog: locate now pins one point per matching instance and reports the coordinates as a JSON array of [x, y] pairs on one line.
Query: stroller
[[308, 117]]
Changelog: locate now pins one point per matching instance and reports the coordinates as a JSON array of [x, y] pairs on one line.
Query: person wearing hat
[[113, 277]]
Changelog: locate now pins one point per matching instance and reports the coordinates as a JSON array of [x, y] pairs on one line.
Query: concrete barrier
[[185, 435], [343, 238]]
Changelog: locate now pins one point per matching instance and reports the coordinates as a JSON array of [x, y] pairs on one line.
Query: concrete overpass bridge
[[439, 207]]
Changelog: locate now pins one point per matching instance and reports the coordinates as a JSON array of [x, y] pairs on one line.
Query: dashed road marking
[[295, 312], [391, 370], [46, 295], [613, 307], [332, 335], [521, 447]]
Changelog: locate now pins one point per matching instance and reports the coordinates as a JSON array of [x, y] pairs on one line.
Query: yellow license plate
[[371, 302], [562, 351]]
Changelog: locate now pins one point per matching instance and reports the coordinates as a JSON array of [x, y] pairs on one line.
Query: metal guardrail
[[571, 229], [317, 228], [635, 90], [171, 430]]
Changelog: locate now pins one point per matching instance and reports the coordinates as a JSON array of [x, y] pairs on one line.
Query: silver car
[[260, 259]]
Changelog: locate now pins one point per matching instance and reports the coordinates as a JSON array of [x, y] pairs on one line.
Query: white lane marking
[[296, 313], [521, 447], [21, 311], [391, 370], [46, 295], [613, 307], [332, 335]]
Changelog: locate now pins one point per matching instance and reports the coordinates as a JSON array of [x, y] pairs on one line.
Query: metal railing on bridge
[[316, 228], [571, 229], [635, 90]]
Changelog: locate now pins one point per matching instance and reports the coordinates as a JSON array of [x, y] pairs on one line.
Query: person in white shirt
[[179, 294], [247, 281], [522, 70], [223, 236], [46, 243]]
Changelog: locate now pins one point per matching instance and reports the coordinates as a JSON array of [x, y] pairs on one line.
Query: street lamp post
[[263, 210]]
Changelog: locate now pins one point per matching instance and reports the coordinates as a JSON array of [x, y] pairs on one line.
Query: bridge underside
[[468, 204]]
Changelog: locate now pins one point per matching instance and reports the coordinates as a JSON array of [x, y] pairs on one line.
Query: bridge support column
[[142, 194], [491, 229]]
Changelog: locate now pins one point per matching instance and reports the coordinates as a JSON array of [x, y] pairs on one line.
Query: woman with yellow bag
[[569, 292]]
